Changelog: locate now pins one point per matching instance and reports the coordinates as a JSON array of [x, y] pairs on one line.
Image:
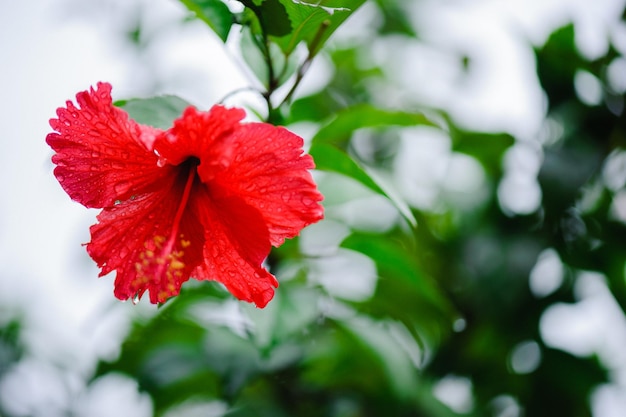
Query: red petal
[[236, 244], [102, 156], [268, 170], [139, 240], [196, 133]]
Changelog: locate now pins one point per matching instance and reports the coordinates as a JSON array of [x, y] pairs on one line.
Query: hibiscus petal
[[102, 156], [269, 171], [138, 239], [237, 242], [195, 134]]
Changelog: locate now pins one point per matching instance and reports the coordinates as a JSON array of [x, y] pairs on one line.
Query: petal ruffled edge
[[102, 156]]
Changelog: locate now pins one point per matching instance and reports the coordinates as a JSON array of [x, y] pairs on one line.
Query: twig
[[240, 90]]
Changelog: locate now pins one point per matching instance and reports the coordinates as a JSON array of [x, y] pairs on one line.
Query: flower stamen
[[161, 263]]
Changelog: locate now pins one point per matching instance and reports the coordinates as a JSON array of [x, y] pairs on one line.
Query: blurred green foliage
[[452, 297]]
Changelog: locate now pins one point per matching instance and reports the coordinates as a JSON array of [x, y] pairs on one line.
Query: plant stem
[[307, 62]]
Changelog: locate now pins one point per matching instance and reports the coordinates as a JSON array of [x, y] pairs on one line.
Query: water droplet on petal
[[286, 197], [307, 201], [135, 299], [95, 154], [121, 187]]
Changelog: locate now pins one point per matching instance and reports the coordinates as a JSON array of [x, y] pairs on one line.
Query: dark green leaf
[[11, 348], [214, 13], [404, 291], [396, 19], [487, 148], [272, 16]]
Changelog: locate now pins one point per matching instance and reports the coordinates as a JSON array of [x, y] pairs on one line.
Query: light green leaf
[[253, 55], [158, 112], [329, 142], [314, 21], [330, 158], [346, 122]]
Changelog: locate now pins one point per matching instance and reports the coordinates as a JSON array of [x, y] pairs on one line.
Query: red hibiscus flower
[[205, 199]]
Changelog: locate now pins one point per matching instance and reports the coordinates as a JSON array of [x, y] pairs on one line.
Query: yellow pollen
[[175, 264], [158, 241], [161, 264]]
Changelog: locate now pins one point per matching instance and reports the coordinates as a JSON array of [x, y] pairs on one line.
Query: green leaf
[[487, 148], [314, 21], [396, 20], [318, 106], [331, 140], [272, 16], [252, 54], [11, 345], [214, 13], [158, 112], [330, 158], [341, 128], [402, 278]]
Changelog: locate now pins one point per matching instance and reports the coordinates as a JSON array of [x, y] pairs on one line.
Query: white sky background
[[46, 58]]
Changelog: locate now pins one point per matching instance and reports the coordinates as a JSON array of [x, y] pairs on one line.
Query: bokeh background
[[507, 300]]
